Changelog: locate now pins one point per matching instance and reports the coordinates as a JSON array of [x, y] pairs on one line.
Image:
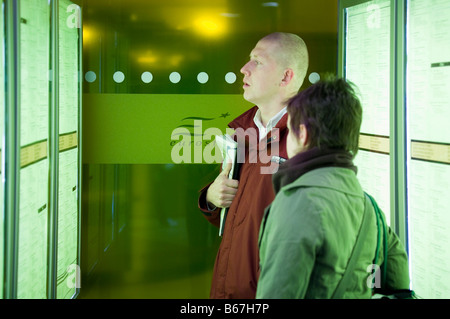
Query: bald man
[[274, 73]]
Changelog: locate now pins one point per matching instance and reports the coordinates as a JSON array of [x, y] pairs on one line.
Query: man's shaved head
[[290, 52]]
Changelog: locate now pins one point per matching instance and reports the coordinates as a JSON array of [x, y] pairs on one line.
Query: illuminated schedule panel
[[67, 224], [69, 102], [367, 64], [34, 130], [428, 131], [40, 134]]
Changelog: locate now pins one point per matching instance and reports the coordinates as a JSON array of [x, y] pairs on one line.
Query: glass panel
[[34, 172], [69, 95], [367, 64], [150, 67], [91, 209], [428, 75]]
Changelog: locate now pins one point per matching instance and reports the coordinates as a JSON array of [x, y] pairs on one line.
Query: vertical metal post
[[341, 40], [392, 117], [12, 146], [398, 121], [53, 155], [80, 137], [2, 145]]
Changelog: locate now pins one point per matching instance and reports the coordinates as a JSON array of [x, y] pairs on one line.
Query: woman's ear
[[303, 136]]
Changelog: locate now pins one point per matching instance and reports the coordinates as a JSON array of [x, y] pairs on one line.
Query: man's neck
[[269, 112]]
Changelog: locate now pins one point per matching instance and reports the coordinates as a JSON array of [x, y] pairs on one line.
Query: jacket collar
[[338, 178], [310, 160], [245, 121]]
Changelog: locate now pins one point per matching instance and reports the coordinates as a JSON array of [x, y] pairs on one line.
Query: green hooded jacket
[[308, 233]]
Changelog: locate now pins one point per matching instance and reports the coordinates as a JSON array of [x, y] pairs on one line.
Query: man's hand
[[223, 190]]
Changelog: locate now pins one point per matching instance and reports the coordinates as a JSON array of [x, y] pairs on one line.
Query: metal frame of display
[[2, 146], [11, 149], [398, 123], [52, 249], [80, 142], [397, 129]]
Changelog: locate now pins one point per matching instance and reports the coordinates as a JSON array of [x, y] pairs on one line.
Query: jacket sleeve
[[397, 272], [212, 216], [289, 244]]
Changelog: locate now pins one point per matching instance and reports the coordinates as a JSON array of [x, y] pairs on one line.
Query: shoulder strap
[[363, 230], [381, 225]]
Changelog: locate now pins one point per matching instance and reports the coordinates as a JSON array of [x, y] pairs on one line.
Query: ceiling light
[[270, 4], [209, 26], [230, 15]]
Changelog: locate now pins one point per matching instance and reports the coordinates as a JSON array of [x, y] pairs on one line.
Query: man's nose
[[245, 69]]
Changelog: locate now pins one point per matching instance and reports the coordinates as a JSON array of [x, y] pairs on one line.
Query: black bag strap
[[362, 234]]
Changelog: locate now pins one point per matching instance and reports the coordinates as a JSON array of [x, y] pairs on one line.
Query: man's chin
[[248, 97]]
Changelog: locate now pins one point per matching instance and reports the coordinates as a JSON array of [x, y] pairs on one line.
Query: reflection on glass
[[165, 248]]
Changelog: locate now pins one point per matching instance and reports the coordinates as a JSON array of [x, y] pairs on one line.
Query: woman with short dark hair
[[309, 231]]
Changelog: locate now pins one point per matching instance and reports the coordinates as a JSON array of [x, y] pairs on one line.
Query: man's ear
[[303, 136], [288, 75]]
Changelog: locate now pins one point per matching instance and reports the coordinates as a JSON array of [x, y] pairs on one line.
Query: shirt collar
[[270, 124]]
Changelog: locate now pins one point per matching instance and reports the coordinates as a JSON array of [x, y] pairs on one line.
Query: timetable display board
[[34, 130], [367, 48], [428, 131], [69, 102], [32, 261]]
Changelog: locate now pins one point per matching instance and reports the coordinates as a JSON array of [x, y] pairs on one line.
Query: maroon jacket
[[236, 269]]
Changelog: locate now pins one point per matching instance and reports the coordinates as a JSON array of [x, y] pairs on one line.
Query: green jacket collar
[[338, 178]]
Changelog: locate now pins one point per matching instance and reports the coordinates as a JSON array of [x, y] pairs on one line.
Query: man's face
[[262, 74]]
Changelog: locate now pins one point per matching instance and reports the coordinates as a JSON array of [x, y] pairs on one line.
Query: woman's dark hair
[[331, 112]]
